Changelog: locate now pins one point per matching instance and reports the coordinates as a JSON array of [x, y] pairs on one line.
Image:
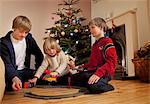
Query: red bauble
[[52, 18], [68, 13]]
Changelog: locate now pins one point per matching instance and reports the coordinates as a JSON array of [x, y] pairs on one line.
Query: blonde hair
[[100, 22], [22, 22], [50, 43]]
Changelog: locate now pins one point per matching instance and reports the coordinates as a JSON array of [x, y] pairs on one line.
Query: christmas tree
[[73, 37]]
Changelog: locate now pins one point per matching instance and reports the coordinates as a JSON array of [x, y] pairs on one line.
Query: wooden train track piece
[[80, 91]]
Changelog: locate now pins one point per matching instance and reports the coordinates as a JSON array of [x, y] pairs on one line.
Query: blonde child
[[17, 46], [55, 60]]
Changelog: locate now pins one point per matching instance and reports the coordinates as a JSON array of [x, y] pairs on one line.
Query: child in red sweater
[[102, 61]]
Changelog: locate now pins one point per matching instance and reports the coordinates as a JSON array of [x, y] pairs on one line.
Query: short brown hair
[[100, 22], [50, 43], [22, 22]]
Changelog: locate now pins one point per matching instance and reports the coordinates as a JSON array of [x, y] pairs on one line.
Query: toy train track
[[81, 91]]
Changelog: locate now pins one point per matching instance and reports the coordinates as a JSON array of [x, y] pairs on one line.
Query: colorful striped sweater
[[103, 58]]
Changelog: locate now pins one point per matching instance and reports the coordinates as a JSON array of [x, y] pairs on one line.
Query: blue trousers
[[81, 79], [24, 75]]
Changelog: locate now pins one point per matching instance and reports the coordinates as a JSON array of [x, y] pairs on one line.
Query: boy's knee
[[95, 88]]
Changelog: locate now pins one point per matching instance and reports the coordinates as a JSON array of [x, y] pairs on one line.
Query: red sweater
[[103, 57]]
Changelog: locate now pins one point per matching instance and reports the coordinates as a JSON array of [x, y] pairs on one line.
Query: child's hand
[[34, 80], [17, 84], [71, 65], [54, 74], [80, 66], [93, 79]]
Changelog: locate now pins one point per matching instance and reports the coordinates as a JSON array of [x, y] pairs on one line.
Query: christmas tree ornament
[[48, 31], [71, 34], [58, 24], [79, 30], [86, 30], [52, 35], [74, 21], [76, 30], [57, 41], [63, 33], [66, 25], [52, 18], [77, 42]]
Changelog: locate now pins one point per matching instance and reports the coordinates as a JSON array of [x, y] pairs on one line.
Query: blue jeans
[[24, 75], [81, 79]]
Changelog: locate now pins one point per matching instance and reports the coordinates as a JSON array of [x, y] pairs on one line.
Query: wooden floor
[[126, 92]]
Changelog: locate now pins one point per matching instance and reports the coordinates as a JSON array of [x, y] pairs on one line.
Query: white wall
[[112, 8], [38, 11]]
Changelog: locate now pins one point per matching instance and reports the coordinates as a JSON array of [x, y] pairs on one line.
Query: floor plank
[[126, 92]]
